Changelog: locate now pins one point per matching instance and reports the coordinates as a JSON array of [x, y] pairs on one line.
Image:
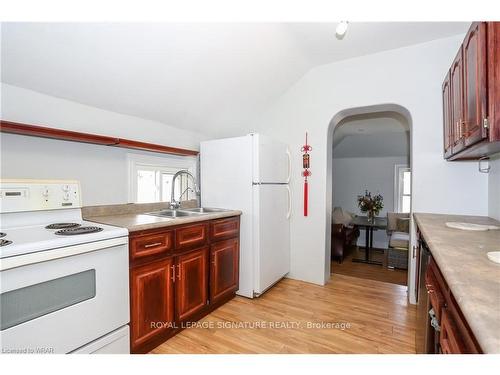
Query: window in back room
[[402, 188]]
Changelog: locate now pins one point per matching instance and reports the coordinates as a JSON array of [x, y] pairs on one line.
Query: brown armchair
[[342, 238], [343, 235]]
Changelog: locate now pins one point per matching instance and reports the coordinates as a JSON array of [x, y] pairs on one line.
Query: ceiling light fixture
[[341, 28]]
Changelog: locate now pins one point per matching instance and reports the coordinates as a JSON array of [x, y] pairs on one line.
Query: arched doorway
[[337, 120]]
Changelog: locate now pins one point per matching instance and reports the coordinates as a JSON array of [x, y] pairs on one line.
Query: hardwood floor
[[369, 271], [380, 321]]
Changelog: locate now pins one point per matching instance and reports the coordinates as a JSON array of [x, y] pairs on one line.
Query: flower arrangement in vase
[[371, 205]]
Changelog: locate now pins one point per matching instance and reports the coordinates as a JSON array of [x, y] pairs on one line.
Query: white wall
[[351, 176], [101, 170], [31, 107], [494, 188], [410, 77]]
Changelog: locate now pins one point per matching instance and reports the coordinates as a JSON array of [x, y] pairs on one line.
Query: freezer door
[[271, 160], [226, 172], [272, 235]]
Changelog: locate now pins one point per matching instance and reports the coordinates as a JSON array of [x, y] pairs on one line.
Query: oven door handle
[[63, 252]]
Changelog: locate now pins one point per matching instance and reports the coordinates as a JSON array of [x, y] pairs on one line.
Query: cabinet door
[[224, 268], [449, 338], [474, 83], [456, 101], [152, 300], [447, 124], [192, 283], [494, 80]]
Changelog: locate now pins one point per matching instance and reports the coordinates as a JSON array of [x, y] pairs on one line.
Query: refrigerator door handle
[[289, 213], [289, 165]]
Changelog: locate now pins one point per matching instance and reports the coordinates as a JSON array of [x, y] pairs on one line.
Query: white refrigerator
[[251, 174]]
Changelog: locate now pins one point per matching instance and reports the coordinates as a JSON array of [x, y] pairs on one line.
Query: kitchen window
[[402, 188], [150, 178]]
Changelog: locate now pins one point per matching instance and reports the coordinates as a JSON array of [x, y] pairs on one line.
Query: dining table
[[369, 226]]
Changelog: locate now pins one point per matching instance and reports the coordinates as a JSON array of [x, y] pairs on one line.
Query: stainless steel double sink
[[174, 214]]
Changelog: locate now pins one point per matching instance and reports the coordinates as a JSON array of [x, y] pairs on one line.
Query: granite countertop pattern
[[473, 279], [133, 217]]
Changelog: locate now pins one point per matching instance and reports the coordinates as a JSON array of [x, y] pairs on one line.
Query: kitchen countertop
[[473, 279], [139, 221]]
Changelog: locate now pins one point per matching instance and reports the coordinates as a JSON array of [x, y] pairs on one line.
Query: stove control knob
[[65, 187], [66, 196], [45, 192]]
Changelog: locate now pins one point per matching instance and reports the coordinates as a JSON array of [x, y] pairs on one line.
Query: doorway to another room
[[371, 188]]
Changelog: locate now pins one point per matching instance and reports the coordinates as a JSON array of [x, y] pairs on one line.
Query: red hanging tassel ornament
[[306, 173]]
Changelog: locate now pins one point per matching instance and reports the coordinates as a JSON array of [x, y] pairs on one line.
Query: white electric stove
[[64, 281]]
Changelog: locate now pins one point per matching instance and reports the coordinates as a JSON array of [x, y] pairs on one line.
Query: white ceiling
[[378, 134], [370, 124], [213, 78], [377, 145]]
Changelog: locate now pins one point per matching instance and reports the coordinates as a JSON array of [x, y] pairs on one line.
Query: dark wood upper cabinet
[[224, 268], [493, 36], [191, 287], [447, 121], [456, 101], [151, 300], [471, 89], [474, 84]]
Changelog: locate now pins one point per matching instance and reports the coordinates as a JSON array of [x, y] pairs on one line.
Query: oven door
[[59, 305]]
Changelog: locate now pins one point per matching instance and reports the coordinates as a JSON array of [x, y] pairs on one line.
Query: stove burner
[[2, 234], [78, 230], [5, 242], [62, 226]]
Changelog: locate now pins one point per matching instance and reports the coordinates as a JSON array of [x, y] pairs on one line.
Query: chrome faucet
[[176, 204]]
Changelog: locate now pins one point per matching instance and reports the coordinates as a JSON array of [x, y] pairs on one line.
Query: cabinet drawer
[[225, 228], [151, 244], [191, 236]]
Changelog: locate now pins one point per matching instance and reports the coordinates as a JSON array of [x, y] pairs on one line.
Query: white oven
[[62, 299]]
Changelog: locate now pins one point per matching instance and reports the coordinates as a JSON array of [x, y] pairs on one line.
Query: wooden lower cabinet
[[224, 268], [151, 300], [182, 284], [455, 335], [191, 285]]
